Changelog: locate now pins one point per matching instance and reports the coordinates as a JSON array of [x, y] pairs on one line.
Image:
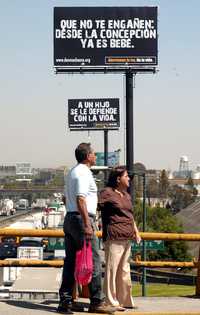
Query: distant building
[[7, 171], [23, 171], [153, 174], [183, 171], [196, 174], [184, 167], [43, 177], [23, 168]]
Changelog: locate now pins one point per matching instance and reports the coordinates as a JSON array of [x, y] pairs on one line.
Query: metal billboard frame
[[137, 24]]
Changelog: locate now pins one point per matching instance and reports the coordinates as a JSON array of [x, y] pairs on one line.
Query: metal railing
[[144, 236]]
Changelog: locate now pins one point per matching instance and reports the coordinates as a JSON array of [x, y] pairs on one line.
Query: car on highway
[[31, 242], [22, 204], [8, 247]]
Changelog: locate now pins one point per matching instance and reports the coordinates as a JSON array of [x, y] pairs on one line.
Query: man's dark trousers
[[74, 237]]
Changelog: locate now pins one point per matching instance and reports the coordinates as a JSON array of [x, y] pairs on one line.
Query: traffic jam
[[41, 214]]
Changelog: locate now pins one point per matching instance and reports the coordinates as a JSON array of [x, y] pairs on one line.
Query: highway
[[6, 221]]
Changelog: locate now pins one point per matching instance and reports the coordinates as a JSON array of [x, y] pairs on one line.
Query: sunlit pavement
[[151, 305]]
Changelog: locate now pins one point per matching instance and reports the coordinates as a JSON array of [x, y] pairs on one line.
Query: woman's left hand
[[137, 238]]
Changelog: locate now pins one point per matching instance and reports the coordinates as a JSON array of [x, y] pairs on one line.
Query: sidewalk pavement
[[146, 305]]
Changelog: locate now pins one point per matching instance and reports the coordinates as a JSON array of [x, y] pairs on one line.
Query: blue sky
[[33, 100]]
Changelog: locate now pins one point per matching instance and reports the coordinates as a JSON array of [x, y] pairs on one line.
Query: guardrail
[[4, 221], [59, 233], [144, 236]]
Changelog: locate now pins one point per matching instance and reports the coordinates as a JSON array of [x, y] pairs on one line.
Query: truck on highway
[[22, 204], [39, 203], [7, 207]]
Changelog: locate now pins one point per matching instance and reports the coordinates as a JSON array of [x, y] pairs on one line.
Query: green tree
[[161, 220], [190, 183], [191, 187], [139, 170], [163, 184], [181, 198], [152, 190]]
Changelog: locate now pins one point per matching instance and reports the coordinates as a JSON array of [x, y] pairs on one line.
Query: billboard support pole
[[144, 252], [129, 127], [105, 152], [106, 147]]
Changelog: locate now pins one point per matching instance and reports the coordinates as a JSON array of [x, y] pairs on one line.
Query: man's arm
[[82, 208]]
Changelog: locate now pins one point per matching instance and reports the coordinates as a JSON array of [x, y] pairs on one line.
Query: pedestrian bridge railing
[[144, 236]]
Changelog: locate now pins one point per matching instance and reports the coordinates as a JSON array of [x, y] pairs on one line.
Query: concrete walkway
[[35, 292], [147, 305]]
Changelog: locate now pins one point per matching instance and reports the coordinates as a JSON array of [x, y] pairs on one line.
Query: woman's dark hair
[[114, 174], [82, 151]]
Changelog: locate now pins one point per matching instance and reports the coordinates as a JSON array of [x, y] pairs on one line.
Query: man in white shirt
[[79, 224]]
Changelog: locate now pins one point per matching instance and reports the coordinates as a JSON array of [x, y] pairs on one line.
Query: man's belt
[[78, 213]]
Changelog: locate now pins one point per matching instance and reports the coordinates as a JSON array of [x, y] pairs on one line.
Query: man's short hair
[[82, 151]]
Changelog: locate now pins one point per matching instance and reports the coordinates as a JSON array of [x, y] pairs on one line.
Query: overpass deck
[[40, 296], [146, 305]]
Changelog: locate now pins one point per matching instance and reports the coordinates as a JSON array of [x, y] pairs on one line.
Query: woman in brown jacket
[[119, 228]]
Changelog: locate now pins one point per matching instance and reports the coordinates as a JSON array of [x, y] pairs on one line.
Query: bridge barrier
[[144, 236], [59, 233]]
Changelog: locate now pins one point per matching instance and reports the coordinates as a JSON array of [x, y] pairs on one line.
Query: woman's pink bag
[[84, 264]]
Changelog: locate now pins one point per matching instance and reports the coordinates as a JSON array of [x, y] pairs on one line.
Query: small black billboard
[[98, 113], [105, 37]]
